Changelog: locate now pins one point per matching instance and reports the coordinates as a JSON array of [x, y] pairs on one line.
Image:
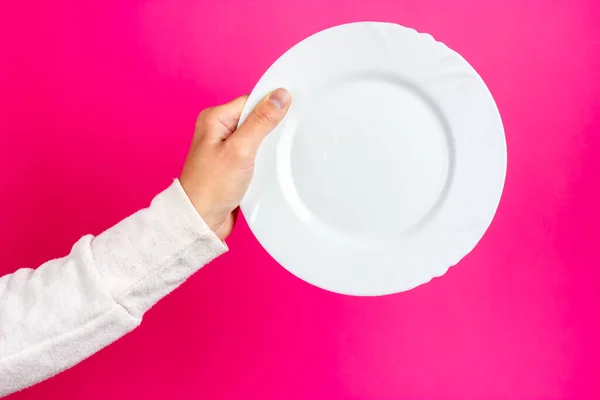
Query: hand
[[220, 163]]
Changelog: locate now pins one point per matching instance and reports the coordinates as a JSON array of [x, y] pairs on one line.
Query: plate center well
[[368, 156]]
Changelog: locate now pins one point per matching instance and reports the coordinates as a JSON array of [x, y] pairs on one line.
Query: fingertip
[[263, 118], [236, 105], [280, 98], [241, 99]]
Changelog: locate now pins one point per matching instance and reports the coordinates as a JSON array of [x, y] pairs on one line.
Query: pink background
[[97, 105]]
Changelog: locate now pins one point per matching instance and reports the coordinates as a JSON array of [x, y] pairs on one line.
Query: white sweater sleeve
[[55, 316]]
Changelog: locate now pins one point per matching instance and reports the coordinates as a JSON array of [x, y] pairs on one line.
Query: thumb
[[262, 120]]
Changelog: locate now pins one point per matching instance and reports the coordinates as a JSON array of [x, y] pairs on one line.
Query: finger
[[265, 116], [217, 123], [229, 114]]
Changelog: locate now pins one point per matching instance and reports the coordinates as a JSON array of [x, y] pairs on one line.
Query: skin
[[220, 163]]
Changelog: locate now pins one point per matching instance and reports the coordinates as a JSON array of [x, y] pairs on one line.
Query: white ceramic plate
[[387, 169]]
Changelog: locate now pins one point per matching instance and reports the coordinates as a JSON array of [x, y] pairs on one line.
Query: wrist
[[213, 216]]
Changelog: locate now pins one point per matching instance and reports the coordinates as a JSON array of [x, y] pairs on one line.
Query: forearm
[[67, 309]]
